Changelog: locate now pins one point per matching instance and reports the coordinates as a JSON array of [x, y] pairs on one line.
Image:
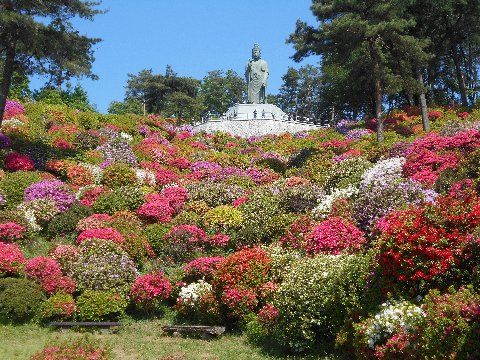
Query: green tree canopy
[[219, 91], [37, 37], [367, 51]]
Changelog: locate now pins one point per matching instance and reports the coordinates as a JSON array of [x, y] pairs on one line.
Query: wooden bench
[[205, 332], [104, 327]]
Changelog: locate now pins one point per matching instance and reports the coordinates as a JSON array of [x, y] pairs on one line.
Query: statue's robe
[[256, 74]]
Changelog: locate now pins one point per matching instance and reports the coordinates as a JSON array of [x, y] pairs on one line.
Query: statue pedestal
[[246, 120], [255, 112]]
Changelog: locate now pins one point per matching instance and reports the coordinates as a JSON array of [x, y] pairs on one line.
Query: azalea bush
[[316, 297], [149, 291], [103, 265], [83, 348]]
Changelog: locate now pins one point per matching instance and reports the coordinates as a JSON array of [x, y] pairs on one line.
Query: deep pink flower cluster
[[11, 231], [46, 271], [334, 236], [12, 260], [267, 315], [16, 162], [109, 234], [13, 108], [156, 211], [176, 196], [41, 267], [203, 267], [55, 190], [150, 287], [165, 177], [219, 240]]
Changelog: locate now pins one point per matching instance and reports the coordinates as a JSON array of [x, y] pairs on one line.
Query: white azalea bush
[[196, 303], [323, 209], [316, 297], [394, 319], [190, 295]]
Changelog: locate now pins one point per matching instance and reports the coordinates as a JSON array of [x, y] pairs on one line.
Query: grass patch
[[137, 340]]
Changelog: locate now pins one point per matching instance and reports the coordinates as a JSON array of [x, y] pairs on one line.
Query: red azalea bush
[[89, 196], [11, 231], [12, 260], [16, 162], [202, 268], [334, 236], [156, 211], [240, 302], [109, 234], [55, 284], [150, 290], [424, 243], [77, 349], [244, 268]]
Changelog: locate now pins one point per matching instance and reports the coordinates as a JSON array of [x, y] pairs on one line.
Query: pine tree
[[365, 44], [37, 37]]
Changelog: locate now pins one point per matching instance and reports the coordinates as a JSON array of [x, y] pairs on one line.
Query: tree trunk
[[378, 108], [378, 95], [423, 102], [460, 77], [6, 77]]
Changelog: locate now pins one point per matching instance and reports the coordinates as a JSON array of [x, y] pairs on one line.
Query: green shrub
[[155, 234], [316, 297], [14, 184], [102, 265], [118, 175], [223, 218], [96, 305], [20, 300], [59, 307], [214, 194], [123, 198], [66, 223], [451, 326], [300, 199], [263, 220], [346, 173]]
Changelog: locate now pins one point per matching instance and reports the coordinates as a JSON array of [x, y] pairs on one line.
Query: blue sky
[[193, 36]]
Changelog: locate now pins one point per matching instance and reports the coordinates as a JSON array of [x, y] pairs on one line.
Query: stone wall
[[254, 127]]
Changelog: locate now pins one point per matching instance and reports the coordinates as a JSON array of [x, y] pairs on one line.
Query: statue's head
[[256, 52]]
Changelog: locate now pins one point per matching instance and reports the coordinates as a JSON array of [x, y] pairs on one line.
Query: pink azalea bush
[[11, 231], [12, 260], [108, 234], [149, 290], [334, 236]]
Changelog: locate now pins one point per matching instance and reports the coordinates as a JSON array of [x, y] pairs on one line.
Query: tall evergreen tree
[[366, 43], [37, 37]]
